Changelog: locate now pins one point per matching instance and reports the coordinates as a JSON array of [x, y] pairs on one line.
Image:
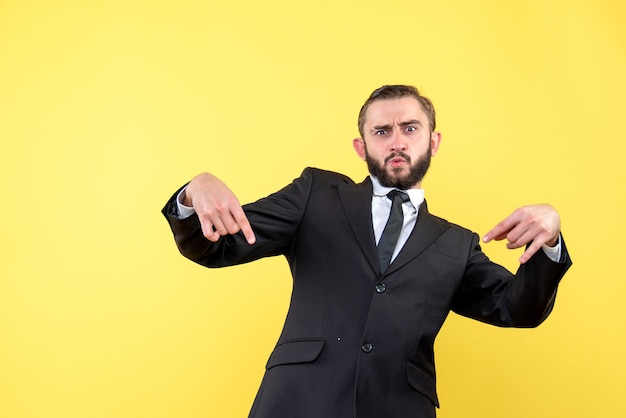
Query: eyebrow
[[411, 122], [381, 127], [387, 127]]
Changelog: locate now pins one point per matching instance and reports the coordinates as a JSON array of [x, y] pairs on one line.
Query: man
[[366, 308]]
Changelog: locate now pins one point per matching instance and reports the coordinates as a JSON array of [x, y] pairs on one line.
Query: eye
[[411, 128], [380, 132]]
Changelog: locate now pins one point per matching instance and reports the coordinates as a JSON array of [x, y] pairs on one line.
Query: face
[[397, 143]]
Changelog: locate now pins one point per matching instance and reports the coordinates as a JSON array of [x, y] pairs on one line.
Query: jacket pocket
[[422, 382], [295, 351]]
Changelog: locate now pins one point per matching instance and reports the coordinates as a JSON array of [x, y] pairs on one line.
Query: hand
[[534, 224], [218, 209]]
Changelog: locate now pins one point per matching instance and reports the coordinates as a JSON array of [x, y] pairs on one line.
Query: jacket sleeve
[[491, 294], [274, 220]]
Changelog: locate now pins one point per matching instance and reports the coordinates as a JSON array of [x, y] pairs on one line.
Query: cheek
[[381, 154], [381, 150]]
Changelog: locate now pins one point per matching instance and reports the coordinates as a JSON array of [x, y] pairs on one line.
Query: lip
[[396, 161]]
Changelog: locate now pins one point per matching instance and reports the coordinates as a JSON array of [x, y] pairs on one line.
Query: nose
[[398, 142]]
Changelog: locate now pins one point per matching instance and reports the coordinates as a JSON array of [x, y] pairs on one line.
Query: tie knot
[[397, 194]]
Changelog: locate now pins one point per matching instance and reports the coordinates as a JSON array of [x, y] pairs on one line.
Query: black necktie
[[388, 241]]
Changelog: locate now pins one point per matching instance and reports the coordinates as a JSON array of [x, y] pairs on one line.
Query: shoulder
[[451, 227], [313, 180], [325, 176]]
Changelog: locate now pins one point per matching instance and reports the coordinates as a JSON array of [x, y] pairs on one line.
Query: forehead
[[395, 110]]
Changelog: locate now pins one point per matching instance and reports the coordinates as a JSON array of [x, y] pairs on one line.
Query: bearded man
[[374, 273]]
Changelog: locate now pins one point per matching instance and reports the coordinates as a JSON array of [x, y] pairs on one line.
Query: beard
[[393, 179]]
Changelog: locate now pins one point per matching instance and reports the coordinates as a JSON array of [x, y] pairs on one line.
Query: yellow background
[[106, 107]]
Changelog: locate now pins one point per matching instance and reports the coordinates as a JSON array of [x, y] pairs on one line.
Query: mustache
[[397, 154]]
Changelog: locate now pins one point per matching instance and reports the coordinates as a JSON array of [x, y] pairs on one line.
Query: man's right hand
[[217, 207]]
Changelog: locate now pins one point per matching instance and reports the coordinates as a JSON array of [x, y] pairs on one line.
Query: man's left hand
[[535, 225]]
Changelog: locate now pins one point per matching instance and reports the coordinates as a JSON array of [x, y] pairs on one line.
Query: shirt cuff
[[183, 211], [553, 253]]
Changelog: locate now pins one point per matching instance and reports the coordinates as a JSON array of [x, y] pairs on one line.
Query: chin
[[397, 173]]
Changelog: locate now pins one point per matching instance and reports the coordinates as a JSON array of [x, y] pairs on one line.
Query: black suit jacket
[[358, 343]]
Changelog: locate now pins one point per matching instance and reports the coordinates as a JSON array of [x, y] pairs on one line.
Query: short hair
[[396, 92]]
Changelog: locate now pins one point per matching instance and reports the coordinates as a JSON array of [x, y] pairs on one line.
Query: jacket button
[[367, 347], [380, 288]]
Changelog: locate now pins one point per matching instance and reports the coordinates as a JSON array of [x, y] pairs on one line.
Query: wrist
[[554, 241]]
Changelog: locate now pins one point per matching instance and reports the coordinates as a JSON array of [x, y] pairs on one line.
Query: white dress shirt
[[381, 207]]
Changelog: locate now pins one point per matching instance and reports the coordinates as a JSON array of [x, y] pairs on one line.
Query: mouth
[[396, 161]]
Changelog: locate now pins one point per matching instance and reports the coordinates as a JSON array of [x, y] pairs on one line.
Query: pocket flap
[[295, 351], [422, 382]]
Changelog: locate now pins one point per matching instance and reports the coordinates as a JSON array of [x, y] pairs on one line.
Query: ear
[[435, 141], [359, 147]]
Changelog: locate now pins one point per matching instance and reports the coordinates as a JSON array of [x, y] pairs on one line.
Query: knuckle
[[221, 207], [209, 234], [204, 217]]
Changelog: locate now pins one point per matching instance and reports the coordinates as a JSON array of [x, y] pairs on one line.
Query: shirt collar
[[416, 195]]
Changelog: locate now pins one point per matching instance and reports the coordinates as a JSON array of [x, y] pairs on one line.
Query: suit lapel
[[427, 229], [357, 204]]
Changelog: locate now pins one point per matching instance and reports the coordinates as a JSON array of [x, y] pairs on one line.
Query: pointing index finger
[[244, 224], [499, 231]]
